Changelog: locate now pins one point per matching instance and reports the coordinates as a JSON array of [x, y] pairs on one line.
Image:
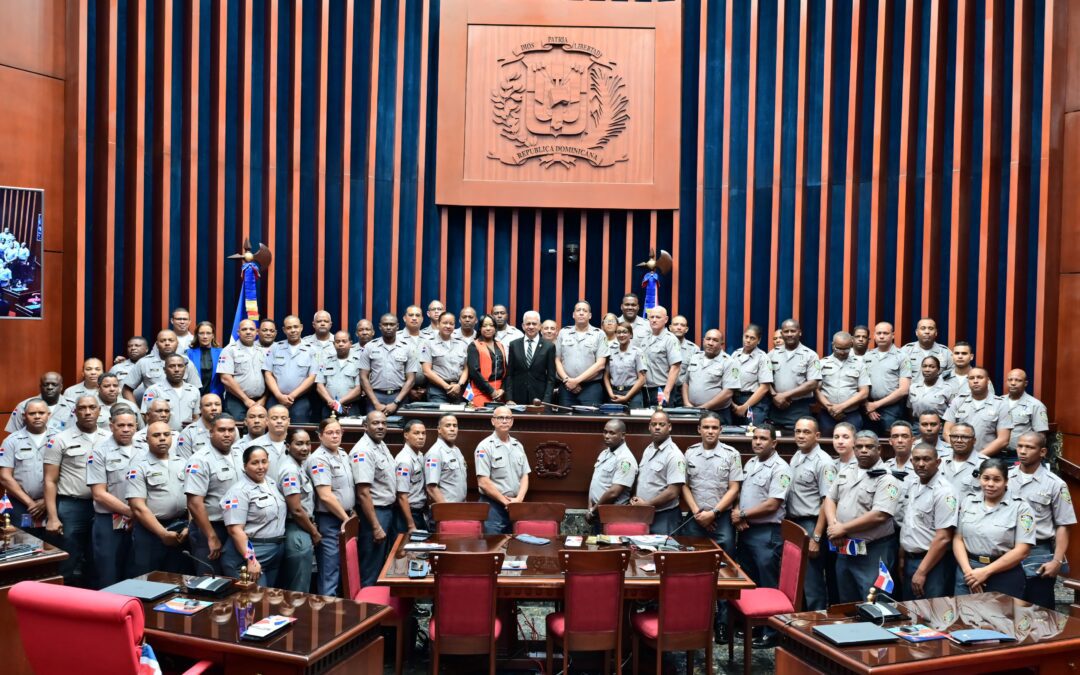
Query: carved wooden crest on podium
[[559, 103], [553, 460]]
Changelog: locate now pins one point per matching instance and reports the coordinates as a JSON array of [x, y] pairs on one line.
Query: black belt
[[68, 498], [626, 388], [915, 556], [984, 559], [267, 540], [384, 508], [388, 392], [1049, 541]]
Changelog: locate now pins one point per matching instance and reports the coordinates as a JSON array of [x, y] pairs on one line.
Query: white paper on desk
[[515, 563], [647, 567], [424, 546], [648, 539]]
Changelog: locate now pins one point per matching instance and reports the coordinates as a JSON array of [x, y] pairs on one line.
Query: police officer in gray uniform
[[445, 472], [713, 476], [388, 368], [409, 472], [254, 514], [813, 474], [993, 536], [155, 492], [22, 468], [151, 368], [50, 390], [624, 377], [960, 466], [301, 534], [929, 522], [845, 384], [631, 314], [210, 474], [376, 492], [137, 347], [987, 414], [502, 472], [183, 397], [890, 380], [581, 353], [1027, 412], [712, 378], [661, 476], [860, 509], [290, 370], [107, 469], [796, 375], [614, 472], [240, 367], [329, 469], [679, 327], [157, 411], [443, 362], [67, 496], [322, 340], [932, 392], [196, 436], [925, 345], [750, 404], [338, 381], [663, 359], [1051, 504]]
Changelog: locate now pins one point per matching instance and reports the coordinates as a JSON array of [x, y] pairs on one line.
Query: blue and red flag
[[247, 307]]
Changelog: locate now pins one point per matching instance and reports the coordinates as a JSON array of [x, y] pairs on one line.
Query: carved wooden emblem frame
[[553, 459]]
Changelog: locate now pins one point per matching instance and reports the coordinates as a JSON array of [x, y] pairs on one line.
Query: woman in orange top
[[487, 363]]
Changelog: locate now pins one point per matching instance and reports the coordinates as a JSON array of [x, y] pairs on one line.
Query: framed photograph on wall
[[22, 231]]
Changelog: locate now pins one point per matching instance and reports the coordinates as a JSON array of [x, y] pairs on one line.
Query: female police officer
[[254, 514], [993, 535], [301, 535]]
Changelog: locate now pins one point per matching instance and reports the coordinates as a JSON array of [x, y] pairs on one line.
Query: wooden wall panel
[[33, 34]]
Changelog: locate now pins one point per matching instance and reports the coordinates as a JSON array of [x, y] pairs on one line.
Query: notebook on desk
[[854, 634], [142, 589]]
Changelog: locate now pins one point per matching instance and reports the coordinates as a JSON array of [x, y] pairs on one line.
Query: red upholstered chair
[[349, 553], [463, 615], [626, 519], [593, 598], [540, 519], [64, 629], [684, 621], [758, 604], [459, 518]]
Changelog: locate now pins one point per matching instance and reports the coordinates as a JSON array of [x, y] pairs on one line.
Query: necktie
[[528, 353]]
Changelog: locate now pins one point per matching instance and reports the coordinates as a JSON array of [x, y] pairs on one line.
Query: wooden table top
[[46, 553]]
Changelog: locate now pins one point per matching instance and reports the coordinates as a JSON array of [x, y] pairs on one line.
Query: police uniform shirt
[[373, 465], [457, 334], [183, 344], [245, 364], [121, 370], [388, 364], [905, 478], [613, 467], [194, 438], [986, 416], [914, 353], [1028, 414], [503, 463], [444, 466], [108, 464], [709, 473], [331, 468], [24, 455], [447, 357], [928, 508], [925, 398], [142, 446], [755, 369], [840, 465], [659, 468], [508, 335], [105, 411], [856, 492], [812, 474], [259, 507], [322, 350], [579, 350], [70, 449], [290, 365], [641, 330], [409, 471], [293, 480], [61, 416], [707, 377], [661, 352], [150, 369], [840, 380], [995, 531], [183, 401], [687, 349], [886, 370], [961, 387], [78, 390], [210, 474], [962, 474], [943, 448], [763, 480], [429, 332], [339, 376], [160, 482], [417, 343], [1048, 497], [794, 367], [275, 450], [623, 367]]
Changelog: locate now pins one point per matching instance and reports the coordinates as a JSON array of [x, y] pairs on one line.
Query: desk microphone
[[212, 584], [671, 542]]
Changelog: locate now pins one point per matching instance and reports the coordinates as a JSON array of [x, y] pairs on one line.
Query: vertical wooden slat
[[421, 164], [320, 159], [468, 258], [443, 226], [296, 68], [191, 253], [751, 131], [270, 144], [537, 246], [851, 180], [134, 233], [561, 221], [218, 128], [514, 220], [606, 262], [399, 114], [800, 165], [245, 127], [879, 179], [1019, 189], [107, 252], [582, 264], [373, 110], [489, 287], [909, 108], [725, 171], [652, 230], [958, 240], [990, 195], [346, 164], [778, 122], [675, 236], [932, 172], [826, 177], [163, 73], [699, 192], [629, 252]]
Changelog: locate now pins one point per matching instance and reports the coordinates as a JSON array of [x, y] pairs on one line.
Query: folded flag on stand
[[5, 504], [884, 580], [468, 394]]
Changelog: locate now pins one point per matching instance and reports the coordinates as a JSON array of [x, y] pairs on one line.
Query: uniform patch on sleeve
[[785, 480], [402, 471], [133, 474], [319, 467], [358, 457], [193, 469], [950, 501], [892, 491], [623, 465], [229, 504], [830, 474], [1027, 522]]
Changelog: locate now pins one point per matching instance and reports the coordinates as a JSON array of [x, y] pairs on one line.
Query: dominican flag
[[247, 307], [884, 579], [660, 398], [250, 555], [148, 663], [5, 504], [468, 394]]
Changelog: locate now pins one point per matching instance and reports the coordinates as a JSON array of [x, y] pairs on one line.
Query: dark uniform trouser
[[77, 517], [372, 553], [1040, 590], [592, 393], [326, 555], [234, 406], [637, 401], [933, 587], [814, 594], [384, 396], [785, 418], [723, 533], [1010, 582], [18, 510], [149, 554], [759, 555], [759, 409], [299, 412], [297, 557], [855, 574], [419, 519], [889, 414], [267, 551], [200, 546], [665, 522], [498, 519], [112, 550], [826, 422]]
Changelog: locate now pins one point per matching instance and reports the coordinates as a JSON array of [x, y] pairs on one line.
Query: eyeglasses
[[961, 437], [502, 418]]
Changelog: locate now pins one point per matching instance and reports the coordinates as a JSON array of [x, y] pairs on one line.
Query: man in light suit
[[530, 364]]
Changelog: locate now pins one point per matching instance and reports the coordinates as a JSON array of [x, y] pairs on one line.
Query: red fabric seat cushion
[[537, 528], [470, 527], [646, 623], [626, 529], [762, 602], [380, 595], [431, 628]]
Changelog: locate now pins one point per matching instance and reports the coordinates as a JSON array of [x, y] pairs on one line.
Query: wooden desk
[[330, 635], [1047, 641], [543, 579], [43, 566]]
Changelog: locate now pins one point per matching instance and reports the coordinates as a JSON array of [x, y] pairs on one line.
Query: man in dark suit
[[530, 365]]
